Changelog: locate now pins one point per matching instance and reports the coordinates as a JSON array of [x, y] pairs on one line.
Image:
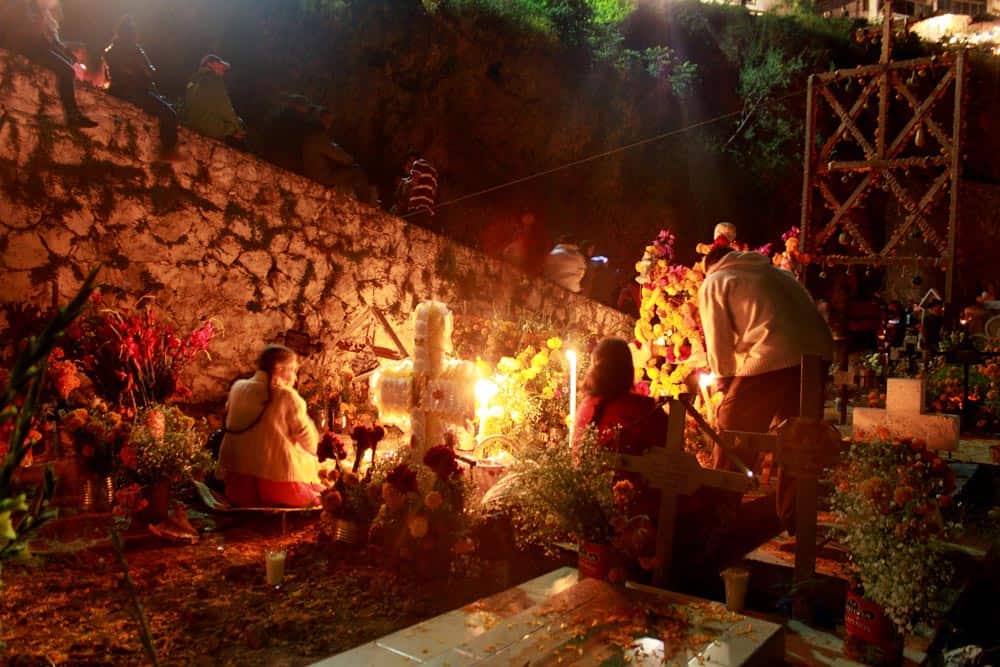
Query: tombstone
[[904, 417]]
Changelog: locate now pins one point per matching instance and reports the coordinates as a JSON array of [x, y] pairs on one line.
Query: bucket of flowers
[[892, 500], [423, 518], [96, 434], [164, 447], [348, 505], [561, 493]]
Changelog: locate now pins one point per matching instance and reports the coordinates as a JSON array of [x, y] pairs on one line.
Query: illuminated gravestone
[[904, 417], [429, 393]]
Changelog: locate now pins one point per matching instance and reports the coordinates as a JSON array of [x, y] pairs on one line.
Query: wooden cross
[[675, 472], [804, 446]]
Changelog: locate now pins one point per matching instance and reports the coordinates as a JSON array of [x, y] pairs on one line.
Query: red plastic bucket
[[594, 560], [871, 635]]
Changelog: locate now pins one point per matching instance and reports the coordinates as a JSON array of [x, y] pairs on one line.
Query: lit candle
[[705, 381], [275, 567], [485, 391], [571, 356]]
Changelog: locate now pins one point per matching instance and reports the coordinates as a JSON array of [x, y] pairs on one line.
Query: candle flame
[[705, 380], [485, 391]]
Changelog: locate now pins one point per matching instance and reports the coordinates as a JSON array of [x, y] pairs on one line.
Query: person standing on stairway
[[132, 79], [417, 190], [565, 265], [32, 27], [207, 107]]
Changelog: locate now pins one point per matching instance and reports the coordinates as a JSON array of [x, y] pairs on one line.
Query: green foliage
[[164, 445], [19, 401], [559, 492], [591, 24], [658, 62], [771, 56]]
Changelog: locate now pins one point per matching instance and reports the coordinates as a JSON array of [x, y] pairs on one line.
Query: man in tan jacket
[[759, 321]]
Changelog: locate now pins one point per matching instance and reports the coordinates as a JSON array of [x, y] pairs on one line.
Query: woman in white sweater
[[268, 455]]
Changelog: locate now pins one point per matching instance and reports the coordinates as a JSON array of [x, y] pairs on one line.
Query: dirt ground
[[208, 603]]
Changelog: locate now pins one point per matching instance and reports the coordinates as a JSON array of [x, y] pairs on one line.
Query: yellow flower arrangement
[[669, 325], [531, 396]]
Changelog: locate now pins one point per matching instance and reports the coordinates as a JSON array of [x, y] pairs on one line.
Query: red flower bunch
[[664, 244], [792, 232], [365, 438], [331, 447], [402, 479], [132, 357], [441, 459], [129, 501]]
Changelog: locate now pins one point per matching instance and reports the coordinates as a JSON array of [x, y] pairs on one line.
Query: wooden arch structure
[[898, 127]]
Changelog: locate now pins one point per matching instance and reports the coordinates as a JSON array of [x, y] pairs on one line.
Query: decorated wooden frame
[[916, 160]]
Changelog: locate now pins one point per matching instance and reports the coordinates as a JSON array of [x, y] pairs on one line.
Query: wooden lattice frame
[[883, 159]]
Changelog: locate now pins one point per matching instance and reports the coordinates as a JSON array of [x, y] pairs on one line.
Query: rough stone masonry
[[221, 234]]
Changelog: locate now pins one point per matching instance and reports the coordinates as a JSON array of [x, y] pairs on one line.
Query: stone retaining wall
[[221, 234]]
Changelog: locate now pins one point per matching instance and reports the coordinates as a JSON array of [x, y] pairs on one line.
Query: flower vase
[[88, 494], [872, 637], [159, 501], [594, 560], [347, 532], [97, 493], [318, 414], [868, 380]]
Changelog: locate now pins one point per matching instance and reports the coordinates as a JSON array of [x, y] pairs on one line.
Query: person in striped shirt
[[418, 189]]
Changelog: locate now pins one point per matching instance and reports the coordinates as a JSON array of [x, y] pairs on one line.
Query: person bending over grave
[[268, 454], [759, 321], [625, 421]]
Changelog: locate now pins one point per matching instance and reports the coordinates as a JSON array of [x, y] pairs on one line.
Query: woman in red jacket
[[625, 421]]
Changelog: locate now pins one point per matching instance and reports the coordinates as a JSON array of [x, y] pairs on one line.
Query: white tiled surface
[[438, 636]]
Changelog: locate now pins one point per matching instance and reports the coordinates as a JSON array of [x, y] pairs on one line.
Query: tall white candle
[[571, 356]]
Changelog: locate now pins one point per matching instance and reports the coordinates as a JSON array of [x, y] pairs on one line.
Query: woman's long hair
[[273, 356], [611, 372]]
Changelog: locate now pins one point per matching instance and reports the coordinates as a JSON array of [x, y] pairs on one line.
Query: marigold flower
[[464, 546], [418, 526], [433, 500], [7, 527], [902, 495]]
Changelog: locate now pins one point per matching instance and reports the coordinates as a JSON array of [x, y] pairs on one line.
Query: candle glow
[[571, 357], [705, 381], [485, 391]]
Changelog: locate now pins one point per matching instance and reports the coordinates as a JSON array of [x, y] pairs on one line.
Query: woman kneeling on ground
[[268, 454]]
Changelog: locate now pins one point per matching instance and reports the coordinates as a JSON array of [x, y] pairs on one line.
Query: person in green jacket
[[207, 107]]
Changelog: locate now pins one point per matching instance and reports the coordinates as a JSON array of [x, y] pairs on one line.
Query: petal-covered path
[[208, 604]]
